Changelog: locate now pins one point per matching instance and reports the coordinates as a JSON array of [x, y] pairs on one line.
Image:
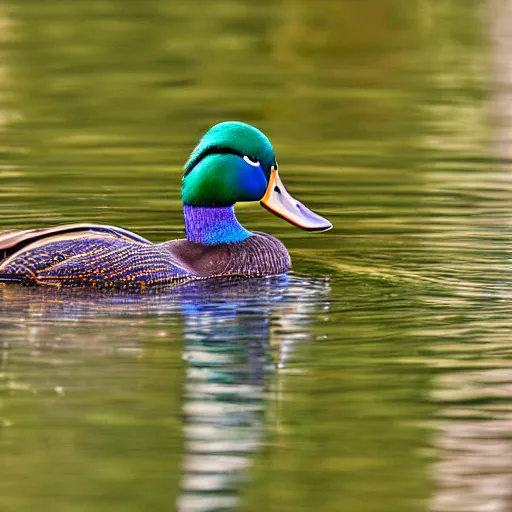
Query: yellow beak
[[280, 202]]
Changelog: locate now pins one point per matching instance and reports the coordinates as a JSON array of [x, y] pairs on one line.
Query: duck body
[[95, 256], [232, 162]]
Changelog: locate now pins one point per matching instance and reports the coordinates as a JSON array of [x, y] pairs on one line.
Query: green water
[[378, 375]]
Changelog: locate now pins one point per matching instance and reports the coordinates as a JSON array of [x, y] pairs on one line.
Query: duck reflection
[[235, 334], [228, 348]]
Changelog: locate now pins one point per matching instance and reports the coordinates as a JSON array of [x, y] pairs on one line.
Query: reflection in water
[[474, 445], [227, 348], [232, 331], [500, 20], [473, 385]]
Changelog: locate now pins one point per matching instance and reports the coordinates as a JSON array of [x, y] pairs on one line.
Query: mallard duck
[[232, 162]]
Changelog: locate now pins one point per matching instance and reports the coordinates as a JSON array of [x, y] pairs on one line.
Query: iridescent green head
[[235, 162], [231, 163]]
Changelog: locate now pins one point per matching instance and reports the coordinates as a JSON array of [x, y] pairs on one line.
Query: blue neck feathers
[[213, 225]]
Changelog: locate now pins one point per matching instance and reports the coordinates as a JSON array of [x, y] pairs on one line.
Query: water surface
[[378, 375]]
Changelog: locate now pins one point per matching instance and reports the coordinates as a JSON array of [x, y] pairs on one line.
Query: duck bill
[[281, 203]]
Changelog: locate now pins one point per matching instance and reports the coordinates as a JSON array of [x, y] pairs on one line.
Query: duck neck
[[213, 225]]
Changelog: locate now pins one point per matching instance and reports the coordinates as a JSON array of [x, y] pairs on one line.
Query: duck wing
[[86, 255], [15, 240]]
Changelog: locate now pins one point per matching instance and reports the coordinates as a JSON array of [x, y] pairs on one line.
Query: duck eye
[[252, 161]]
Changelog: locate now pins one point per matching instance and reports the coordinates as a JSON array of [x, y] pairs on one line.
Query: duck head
[[235, 162]]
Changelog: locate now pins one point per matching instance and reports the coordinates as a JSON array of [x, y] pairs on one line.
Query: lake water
[[377, 376]]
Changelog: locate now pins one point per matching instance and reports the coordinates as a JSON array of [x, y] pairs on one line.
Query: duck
[[233, 162]]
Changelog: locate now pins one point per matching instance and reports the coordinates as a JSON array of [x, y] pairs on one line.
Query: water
[[378, 375]]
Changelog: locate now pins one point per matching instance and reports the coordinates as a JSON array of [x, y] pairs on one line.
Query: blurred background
[[378, 375]]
